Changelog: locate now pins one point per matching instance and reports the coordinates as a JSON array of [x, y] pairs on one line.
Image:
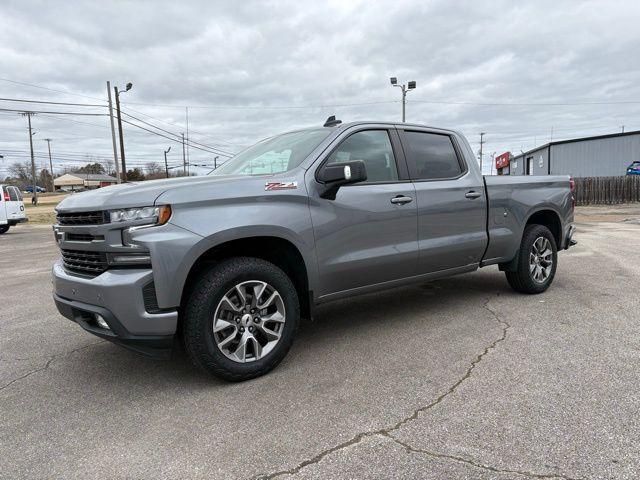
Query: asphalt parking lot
[[460, 378]]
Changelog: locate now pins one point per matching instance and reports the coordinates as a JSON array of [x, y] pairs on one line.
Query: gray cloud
[[247, 60]]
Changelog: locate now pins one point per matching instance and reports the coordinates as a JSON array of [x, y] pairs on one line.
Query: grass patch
[[43, 214]]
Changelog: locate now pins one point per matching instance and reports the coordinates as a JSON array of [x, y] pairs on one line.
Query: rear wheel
[[537, 261], [240, 318], [4, 229]]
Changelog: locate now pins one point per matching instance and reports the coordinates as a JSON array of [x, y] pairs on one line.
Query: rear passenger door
[[450, 200]]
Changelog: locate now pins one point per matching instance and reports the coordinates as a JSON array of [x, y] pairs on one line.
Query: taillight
[[6, 197], [572, 188]]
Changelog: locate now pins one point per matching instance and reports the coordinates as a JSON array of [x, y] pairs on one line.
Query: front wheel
[[240, 318], [537, 261], [4, 229]]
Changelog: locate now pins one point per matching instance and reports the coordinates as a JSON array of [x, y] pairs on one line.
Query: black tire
[[4, 229], [522, 280], [200, 308]]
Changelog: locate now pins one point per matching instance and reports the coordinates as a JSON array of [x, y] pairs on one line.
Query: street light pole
[[405, 88], [48, 140], [113, 134], [166, 167], [124, 164]]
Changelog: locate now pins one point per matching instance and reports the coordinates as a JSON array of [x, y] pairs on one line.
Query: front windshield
[[276, 154]]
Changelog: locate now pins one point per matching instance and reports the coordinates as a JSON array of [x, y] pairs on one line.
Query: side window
[[373, 147], [433, 155], [13, 194]]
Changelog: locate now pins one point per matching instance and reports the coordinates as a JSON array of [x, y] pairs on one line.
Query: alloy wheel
[[249, 321], [541, 260]]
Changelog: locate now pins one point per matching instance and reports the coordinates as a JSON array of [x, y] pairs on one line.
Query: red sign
[[503, 160]]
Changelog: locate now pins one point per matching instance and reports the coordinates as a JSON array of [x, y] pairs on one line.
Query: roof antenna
[[332, 122]]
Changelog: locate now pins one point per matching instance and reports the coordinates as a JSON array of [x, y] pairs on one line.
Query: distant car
[[634, 168], [39, 189], [11, 208]]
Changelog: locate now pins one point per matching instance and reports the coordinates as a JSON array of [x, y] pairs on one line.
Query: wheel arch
[[278, 250], [549, 218], [545, 216]]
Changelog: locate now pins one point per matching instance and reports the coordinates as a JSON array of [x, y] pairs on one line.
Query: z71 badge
[[280, 186]]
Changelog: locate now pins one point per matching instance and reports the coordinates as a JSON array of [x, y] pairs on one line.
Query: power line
[[49, 89], [171, 138], [265, 107], [181, 126], [52, 103], [54, 113], [189, 142], [521, 104]]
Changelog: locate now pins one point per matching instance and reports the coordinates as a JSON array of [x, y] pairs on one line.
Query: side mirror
[[335, 175]]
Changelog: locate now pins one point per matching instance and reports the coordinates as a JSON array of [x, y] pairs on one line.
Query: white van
[[11, 207]]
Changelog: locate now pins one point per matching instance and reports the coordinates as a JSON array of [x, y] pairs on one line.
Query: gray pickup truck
[[230, 262]]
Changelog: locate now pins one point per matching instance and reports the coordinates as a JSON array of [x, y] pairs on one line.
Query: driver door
[[368, 234]]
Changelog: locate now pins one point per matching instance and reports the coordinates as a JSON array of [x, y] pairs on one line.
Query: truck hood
[[136, 194]]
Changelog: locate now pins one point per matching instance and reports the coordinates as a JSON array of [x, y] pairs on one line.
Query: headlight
[[149, 215]]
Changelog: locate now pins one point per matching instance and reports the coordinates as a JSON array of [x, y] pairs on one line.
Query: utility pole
[[622, 128], [481, 144], [405, 88], [184, 158], [33, 162], [113, 134], [188, 157], [124, 164], [48, 140], [166, 167]]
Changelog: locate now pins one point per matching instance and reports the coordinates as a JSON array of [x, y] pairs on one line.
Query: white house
[[76, 181]]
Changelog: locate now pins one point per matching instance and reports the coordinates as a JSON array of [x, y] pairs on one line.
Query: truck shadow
[[381, 314]]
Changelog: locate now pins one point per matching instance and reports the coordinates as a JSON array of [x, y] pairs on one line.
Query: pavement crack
[[48, 363], [476, 464], [387, 431]]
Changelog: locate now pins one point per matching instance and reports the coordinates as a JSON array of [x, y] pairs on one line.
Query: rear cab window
[[432, 156]]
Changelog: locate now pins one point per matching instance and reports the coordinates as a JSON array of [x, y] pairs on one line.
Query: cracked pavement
[[460, 378]]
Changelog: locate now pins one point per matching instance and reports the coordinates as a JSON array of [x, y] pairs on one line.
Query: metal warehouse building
[[599, 156]]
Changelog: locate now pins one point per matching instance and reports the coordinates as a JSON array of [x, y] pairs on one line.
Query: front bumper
[[117, 296]]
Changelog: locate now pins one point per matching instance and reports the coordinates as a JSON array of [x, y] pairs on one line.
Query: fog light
[[101, 322], [130, 259]]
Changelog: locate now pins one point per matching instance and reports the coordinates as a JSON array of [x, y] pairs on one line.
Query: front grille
[[82, 218], [88, 263]]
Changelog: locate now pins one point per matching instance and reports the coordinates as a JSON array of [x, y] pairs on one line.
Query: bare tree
[[153, 168]]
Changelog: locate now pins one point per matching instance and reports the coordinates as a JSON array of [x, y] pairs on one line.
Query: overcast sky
[[248, 70]]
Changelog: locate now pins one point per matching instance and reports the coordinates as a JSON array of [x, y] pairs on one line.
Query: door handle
[[471, 195], [401, 200]]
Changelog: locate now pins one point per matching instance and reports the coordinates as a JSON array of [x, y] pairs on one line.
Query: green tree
[[94, 168], [135, 175]]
